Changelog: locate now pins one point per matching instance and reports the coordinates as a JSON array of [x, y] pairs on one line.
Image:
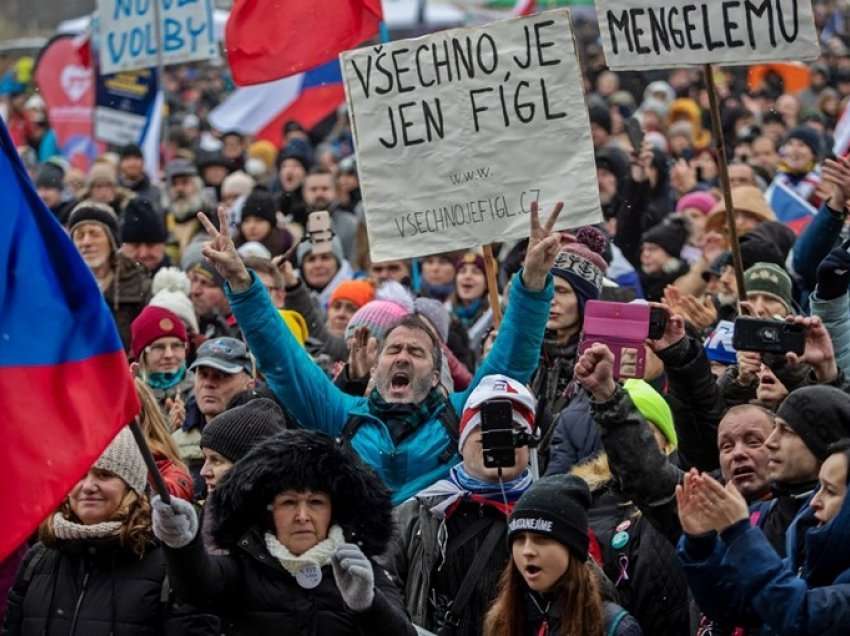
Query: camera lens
[[769, 334]]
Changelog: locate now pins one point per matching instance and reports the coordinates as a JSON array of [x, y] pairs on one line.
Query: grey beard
[[727, 299], [184, 209]]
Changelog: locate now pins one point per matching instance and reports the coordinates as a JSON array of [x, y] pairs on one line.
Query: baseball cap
[[227, 355]]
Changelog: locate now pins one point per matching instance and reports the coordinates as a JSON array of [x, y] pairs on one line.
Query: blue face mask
[[164, 380]]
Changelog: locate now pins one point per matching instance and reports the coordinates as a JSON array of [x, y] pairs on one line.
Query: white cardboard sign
[[459, 131], [651, 34]]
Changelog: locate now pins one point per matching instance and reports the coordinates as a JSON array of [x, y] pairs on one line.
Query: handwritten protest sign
[[458, 132], [649, 34], [128, 33]]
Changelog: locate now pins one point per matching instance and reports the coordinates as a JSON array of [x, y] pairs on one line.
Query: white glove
[[354, 577], [174, 524]]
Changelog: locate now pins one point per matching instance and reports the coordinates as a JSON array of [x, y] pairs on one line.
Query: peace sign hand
[[543, 247], [221, 252]]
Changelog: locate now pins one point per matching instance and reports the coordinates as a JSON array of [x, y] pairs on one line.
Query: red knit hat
[[471, 258], [358, 292], [152, 324]]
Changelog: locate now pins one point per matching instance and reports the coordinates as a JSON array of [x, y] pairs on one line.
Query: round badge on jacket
[[309, 576]]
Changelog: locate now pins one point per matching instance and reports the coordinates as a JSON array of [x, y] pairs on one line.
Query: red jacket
[[178, 482]]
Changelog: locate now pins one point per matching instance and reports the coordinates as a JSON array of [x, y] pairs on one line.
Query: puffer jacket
[[127, 294], [98, 588], [740, 577], [257, 597], [414, 462]]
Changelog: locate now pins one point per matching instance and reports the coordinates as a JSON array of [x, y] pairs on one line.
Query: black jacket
[[97, 588], [256, 596]]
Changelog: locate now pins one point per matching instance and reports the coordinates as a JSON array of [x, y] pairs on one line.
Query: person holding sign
[[406, 428]]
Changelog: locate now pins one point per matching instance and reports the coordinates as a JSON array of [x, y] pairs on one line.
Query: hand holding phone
[[319, 232], [768, 336]]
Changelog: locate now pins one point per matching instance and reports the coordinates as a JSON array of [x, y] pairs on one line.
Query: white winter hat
[[124, 458], [492, 387], [179, 303]]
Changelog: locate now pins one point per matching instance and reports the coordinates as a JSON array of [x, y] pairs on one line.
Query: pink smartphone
[[623, 328]]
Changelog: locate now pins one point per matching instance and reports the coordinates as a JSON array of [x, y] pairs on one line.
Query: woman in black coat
[[98, 570], [302, 518]]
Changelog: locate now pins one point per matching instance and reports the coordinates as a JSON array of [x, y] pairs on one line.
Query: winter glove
[[834, 273], [354, 577], [174, 524]]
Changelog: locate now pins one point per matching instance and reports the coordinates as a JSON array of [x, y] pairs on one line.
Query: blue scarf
[[164, 380], [461, 486]]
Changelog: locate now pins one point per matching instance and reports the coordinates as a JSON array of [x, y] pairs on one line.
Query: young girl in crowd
[[549, 588], [469, 301]]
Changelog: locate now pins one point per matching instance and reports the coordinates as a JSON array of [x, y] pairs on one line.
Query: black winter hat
[[94, 212], [234, 432], [808, 136], [50, 176], [600, 116], [303, 460], [297, 149], [555, 506], [141, 223], [261, 204], [130, 150], [670, 235], [819, 414]]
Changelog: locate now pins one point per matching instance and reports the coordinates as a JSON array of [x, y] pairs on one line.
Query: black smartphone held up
[[635, 133], [497, 434], [658, 318], [768, 336]]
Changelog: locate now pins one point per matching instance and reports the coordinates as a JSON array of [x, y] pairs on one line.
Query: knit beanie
[[260, 204], [124, 458], [819, 414], [296, 323], [152, 324], [141, 223], [808, 136], [305, 247], [580, 263], [236, 431], [171, 290], [601, 116], [265, 151], [670, 235], [253, 249], [50, 176], [701, 201], [357, 292], [379, 316], [436, 313], [102, 172], [205, 269], [497, 387], [238, 183], [653, 407], [94, 212], [771, 280], [555, 507], [471, 258]]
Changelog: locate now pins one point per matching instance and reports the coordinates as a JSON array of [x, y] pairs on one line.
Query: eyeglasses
[[161, 347]]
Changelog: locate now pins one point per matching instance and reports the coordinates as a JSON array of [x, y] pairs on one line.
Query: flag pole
[[492, 285], [150, 462], [720, 144]]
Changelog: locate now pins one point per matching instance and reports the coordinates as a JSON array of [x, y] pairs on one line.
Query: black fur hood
[[303, 460]]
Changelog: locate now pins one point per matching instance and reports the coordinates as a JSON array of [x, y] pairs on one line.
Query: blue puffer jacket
[[317, 404], [740, 577]]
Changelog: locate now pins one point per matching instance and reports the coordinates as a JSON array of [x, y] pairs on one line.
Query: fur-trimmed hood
[[595, 472], [303, 460]]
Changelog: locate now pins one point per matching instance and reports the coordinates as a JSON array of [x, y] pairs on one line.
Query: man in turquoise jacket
[[402, 428]]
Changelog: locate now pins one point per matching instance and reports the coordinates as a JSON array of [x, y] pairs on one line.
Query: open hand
[[819, 352], [674, 332], [835, 176], [720, 507], [221, 252], [694, 521], [543, 247], [363, 354], [176, 412]]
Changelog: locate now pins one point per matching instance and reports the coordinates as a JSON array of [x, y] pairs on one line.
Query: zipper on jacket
[[79, 603]]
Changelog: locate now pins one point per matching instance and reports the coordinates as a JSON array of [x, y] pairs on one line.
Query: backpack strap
[[614, 615], [454, 614], [38, 550]]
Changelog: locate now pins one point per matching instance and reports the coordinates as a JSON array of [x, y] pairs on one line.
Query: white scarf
[[71, 531], [319, 555]]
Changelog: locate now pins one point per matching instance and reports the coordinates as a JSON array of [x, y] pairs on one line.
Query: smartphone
[[658, 318], [623, 328], [634, 133], [768, 336], [497, 434], [319, 232]]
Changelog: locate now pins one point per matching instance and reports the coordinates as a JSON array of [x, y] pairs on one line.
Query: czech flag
[[269, 39], [789, 207], [65, 383], [262, 110]]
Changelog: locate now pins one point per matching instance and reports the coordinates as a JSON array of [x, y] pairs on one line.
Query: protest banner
[[66, 83], [123, 105], [459, 131], [132, 38], [652, 34]]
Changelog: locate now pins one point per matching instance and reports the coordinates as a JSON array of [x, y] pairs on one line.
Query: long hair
[[134, 513], [153, 425], [576, 594]]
